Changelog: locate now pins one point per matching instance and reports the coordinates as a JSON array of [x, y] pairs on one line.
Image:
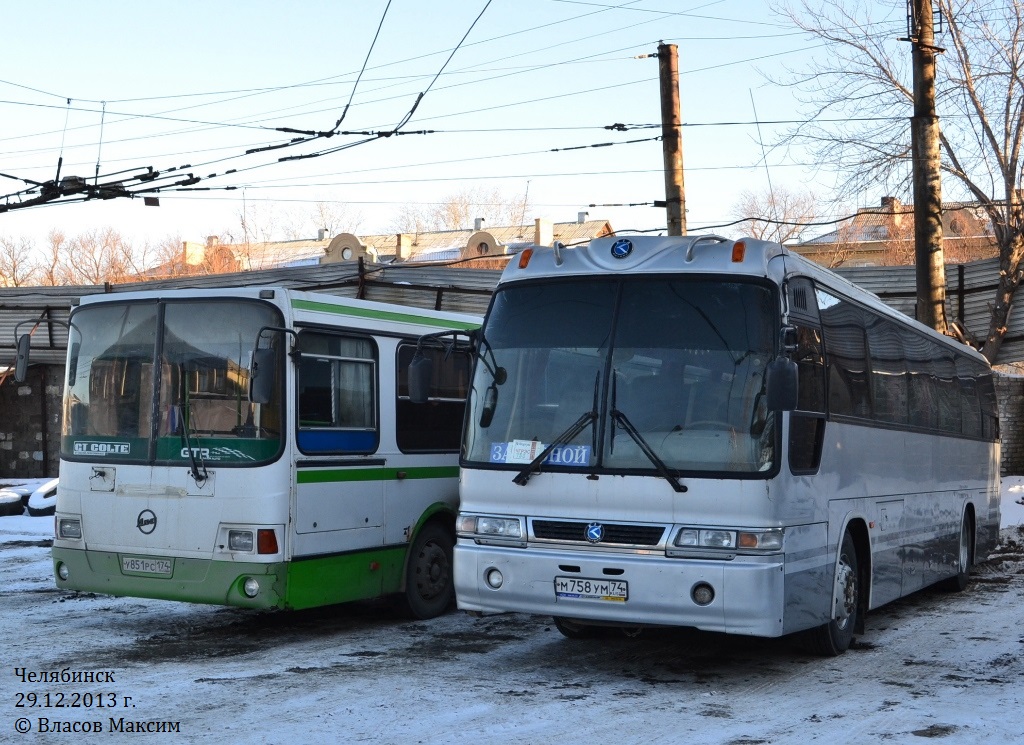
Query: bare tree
[[99, 256], [777, 215], [459, 210], [858, 99], [334, 217], [16, 265]]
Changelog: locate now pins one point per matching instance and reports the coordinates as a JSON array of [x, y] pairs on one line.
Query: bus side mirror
[[21, 363], [781, 384], [261, 376], [421, 371]]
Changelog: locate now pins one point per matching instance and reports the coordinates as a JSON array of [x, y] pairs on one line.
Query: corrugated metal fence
[[970, 291]]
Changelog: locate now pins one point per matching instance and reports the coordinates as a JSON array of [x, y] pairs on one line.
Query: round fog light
[[702, 593], [62, 570], [493, 578], [251, 587]]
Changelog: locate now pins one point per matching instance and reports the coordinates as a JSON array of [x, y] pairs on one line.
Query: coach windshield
[[626, 375]]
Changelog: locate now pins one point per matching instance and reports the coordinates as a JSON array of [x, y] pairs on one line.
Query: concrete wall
[[30, 424], [1010, 392]]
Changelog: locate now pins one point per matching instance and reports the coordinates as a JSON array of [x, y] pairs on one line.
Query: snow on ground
[[933, 665]]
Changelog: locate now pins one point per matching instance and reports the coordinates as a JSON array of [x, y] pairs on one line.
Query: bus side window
[[436, 425], [807, 423], [337, 387]]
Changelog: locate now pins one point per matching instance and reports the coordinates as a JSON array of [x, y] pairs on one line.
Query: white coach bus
[[719, 435], [178, 482]]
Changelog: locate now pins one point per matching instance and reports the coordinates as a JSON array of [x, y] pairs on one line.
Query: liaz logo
[[146, 522], [102, 448]]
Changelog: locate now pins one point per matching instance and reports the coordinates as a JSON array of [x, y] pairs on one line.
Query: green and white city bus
[[692, 431], [178, 482]]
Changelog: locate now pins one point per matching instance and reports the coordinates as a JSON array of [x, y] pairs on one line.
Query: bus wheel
[[965, 560], [833, 638], [576, 630], [429, 587]]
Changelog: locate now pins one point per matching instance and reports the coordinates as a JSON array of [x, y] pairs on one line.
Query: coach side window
[[807, 422], [845, 344]]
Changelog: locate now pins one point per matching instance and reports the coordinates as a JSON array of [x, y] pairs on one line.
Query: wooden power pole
[[924, 145], [672, 139]]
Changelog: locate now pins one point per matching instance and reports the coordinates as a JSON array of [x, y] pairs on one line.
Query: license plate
[[145, 565], [582, 588]]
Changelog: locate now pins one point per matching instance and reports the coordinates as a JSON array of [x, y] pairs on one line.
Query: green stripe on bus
[[376, 474], [345, 577], [382, 315]]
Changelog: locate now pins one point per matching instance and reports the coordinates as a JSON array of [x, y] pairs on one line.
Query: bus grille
[[632, 535]]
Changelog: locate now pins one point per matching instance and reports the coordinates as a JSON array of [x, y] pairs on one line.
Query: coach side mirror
[[261, 375], [21, 363], [421, 371], [781, 384], [73, 362]]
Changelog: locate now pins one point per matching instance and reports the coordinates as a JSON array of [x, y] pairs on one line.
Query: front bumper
[[749, 590]]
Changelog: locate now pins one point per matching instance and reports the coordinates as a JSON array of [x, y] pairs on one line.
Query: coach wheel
[[965, 558], [834, 638], [429, 586]]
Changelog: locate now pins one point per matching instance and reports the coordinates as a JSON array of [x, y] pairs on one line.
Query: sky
[[519, 95]]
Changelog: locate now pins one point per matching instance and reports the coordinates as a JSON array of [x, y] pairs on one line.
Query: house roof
[[959, 220], [441, 245]]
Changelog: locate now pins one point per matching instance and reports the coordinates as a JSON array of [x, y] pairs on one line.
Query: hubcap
[[431, 571], [846, 593]]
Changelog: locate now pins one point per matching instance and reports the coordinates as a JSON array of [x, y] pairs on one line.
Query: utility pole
[[924, 145], [672, 139]]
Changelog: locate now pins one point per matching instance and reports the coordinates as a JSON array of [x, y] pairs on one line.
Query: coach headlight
[[755, 540], [489, 529]]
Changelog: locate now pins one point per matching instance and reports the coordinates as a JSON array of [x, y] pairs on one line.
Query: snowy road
[[934, 665]]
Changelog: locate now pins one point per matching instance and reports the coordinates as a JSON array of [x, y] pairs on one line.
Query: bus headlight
[[251, 587], [62, 570], [69, 528], [240, 540]]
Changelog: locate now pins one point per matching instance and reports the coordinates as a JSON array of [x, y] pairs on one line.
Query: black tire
[[965, 558], [571, 629], [834, 638], [429, 585], [42, 512]]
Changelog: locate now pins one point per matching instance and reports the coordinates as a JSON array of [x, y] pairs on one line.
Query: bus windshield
[[671, 369], [150, 381]]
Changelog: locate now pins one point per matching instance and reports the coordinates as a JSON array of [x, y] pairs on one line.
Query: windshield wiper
[[186, 425], [659, 465], [574, 429]]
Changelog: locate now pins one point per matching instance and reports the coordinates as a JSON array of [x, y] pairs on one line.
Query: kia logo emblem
[[146, 522], [622, 248], [595, 532]]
